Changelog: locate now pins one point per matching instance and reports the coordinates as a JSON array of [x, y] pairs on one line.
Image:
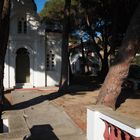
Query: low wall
[[102, 120]]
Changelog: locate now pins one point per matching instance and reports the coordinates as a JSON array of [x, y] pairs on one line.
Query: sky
[[40, 4]]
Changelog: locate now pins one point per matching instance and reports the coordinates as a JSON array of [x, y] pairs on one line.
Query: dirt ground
[[75, 104]]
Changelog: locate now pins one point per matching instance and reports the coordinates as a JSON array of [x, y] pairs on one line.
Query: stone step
[[18, 128]]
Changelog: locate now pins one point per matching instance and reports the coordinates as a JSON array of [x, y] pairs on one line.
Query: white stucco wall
[[54, 43], [37, 46], [39, 63], [33, 41]]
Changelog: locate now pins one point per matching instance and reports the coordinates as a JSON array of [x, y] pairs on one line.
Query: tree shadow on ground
[[8, 91], [41, 132], [76, 89], [40, 99]]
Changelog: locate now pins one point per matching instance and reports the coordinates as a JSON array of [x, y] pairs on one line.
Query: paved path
[[36, 118]]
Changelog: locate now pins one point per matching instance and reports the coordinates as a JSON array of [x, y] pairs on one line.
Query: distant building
[[33, 59]]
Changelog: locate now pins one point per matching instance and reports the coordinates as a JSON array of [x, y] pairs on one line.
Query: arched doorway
[[22, 66]]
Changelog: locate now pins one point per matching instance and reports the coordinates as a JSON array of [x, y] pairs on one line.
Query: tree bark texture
[[65, 40], [4, 33], [111, 87]]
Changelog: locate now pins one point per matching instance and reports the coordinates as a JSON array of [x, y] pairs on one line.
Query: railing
[[105, 124]]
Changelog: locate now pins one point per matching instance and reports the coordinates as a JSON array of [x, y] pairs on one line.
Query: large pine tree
[[4, 33], [65, 40], [119, 70]]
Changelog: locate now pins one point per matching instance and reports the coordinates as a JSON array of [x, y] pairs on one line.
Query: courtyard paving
[[63, 115], [33, 116]]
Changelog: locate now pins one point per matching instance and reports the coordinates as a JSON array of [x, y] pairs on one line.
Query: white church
[[33, 57]]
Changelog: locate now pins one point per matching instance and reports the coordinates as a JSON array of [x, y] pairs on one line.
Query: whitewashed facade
[[31, 60]]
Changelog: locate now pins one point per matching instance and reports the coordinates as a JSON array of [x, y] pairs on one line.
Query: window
[[19, 27], [22, 26], [25, 27], [50, 61]]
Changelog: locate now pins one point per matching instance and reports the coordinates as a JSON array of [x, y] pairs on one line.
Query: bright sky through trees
[[40, 4]]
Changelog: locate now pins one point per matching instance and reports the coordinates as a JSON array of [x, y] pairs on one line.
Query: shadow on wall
[[41, 132], [53, 48], [30, 35]]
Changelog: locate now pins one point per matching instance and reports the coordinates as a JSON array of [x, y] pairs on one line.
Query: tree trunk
[[64, 81], [116, 19], [114, 30], [104, 61], [4, 33], [119, 70], [83, 57], [105, 66]]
